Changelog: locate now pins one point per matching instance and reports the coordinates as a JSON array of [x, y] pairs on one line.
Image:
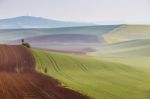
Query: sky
[[129, 11]]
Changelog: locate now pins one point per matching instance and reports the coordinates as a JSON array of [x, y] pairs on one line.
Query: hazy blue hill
[[15, 34], [78, 39], [96, 30], [35, 22]]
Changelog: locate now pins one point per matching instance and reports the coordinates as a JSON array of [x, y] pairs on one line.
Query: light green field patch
[[127, 32], [97, 78]]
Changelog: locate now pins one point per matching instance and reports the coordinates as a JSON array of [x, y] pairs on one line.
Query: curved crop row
[[98, 79]]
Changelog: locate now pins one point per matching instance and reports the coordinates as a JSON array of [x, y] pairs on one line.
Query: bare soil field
[[19, 80]]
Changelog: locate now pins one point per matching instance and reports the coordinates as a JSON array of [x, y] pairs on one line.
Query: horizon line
[[107, 22]]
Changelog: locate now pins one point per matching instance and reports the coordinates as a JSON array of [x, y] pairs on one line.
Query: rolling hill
[[98, 78], [76, 39], [136, 47], [35, 22], [82, 39], [115, 71], [127, 32], [20, 80], [15, 34], [134, 52], [115, 64]]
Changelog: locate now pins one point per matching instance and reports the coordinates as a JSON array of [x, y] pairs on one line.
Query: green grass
[[127, 32], [134, 52], [97, 78], [138, 47]]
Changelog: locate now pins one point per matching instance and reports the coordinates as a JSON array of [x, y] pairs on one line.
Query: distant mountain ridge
[[35, 22]]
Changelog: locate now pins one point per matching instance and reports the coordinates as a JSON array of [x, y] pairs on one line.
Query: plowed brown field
[[19, 80]]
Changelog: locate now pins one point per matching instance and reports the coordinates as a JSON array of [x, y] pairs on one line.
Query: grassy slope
[[138, 47], [127, 32], [134, 52], [96, 78]]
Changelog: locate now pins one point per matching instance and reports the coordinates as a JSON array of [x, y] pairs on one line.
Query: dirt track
[[19, 80]]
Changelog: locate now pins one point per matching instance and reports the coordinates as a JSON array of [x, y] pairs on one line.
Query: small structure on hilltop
[[25, 43]]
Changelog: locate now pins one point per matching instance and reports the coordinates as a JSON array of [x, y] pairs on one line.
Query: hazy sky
[[79, 10]]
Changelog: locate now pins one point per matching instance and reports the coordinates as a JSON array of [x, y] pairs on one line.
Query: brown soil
[[19, 80]]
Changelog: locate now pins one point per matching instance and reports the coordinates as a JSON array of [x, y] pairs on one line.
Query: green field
[[98, 77], [119, 67], [127, 32]]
